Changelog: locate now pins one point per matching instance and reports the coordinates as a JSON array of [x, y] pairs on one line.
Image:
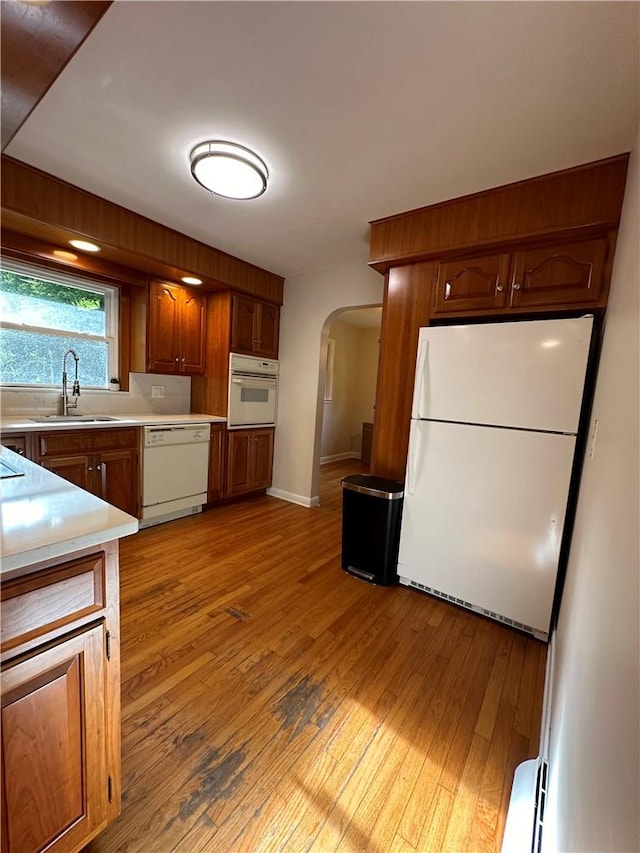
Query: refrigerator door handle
[[413, 460], [421, 382]]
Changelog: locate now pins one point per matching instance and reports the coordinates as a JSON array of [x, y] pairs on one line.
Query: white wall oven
[[253, 391]]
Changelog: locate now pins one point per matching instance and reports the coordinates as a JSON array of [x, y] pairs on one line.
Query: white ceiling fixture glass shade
[[229, 170]]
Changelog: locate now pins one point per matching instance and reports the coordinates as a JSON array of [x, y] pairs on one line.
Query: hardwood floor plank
[[436, 822], [461, 820], [271, 702]]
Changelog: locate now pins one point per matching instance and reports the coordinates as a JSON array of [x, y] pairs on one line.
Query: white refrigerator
[[495, 414]]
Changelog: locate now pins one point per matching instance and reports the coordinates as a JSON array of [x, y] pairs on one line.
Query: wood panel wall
[[570, 204], [407, 300], [44, 207], [38, 40]]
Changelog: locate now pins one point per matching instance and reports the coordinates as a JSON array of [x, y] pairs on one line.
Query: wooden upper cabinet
[[164, 311], [549, 278], [176, 329], [559, 276], [475, 284], [254, 326], [192, 333]]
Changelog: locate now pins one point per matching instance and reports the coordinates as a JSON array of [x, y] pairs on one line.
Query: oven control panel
[[252, 366]]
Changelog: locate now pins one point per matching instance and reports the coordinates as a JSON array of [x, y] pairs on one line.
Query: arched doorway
[[348, 376]]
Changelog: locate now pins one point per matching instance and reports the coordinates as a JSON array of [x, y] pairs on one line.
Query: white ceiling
[[361, 110]]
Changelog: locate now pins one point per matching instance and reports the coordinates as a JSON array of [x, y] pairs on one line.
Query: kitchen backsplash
[[176, 399]]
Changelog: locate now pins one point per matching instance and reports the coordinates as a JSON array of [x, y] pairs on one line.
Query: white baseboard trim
[[351, 454], [292, 498]]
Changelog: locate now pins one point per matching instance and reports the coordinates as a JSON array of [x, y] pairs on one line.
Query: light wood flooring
[[273, 703]]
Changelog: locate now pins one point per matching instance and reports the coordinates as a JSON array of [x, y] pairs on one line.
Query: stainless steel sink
[[72, 419]]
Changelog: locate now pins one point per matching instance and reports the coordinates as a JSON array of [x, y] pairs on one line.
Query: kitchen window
[[45, 313]]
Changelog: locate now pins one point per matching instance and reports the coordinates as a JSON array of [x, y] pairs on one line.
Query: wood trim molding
[[583, 201], [48, 209], [37, 42], [20, 247]]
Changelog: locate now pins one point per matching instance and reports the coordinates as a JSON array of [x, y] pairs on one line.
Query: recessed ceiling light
[[84, 246], [191, 279], [229, 170], [64, 256]]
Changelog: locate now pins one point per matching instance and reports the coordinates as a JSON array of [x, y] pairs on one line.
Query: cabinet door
[[216, 463], [261, 458], [118, 472], [249, 460], [243, 324], [77, 469], [473, 285], [162, 331], [267, 341], [557, 276], [191, 348], [54, 778], [238, 462]]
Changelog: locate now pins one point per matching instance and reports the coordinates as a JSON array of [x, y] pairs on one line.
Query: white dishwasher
[[175, 471]]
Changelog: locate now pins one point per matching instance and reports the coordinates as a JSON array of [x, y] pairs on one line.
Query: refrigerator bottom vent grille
[[490, 613]]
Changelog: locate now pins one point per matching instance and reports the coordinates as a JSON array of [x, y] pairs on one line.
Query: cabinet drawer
[[86, 441], [35, 604], [20, 444]]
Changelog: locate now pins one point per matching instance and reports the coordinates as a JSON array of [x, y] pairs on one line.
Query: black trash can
[[371, 514]]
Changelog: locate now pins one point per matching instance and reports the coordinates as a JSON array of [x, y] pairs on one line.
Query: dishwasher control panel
[[176, 434]]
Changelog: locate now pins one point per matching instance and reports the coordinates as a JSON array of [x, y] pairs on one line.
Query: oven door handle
[[243, 380]]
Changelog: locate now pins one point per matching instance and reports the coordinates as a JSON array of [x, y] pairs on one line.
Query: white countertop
[[23, 423], [43, 516]]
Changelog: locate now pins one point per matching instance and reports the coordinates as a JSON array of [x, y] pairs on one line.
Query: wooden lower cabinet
[[216, 462], [19, 443], [60, 679], [103, 462], [249, 460]]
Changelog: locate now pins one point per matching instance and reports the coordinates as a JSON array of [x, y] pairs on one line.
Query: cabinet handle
[[183, 360], [499, 288], [99, 467], [90, 468], [517, 286], [177, 359], [447, 289]]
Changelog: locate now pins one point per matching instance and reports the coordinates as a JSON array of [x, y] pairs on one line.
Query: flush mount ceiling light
[[191, 279], [229, 170], [84, 245]]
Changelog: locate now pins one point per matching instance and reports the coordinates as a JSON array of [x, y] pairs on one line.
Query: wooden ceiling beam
[[37, 41]]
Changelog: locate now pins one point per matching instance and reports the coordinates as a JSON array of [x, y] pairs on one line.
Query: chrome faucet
[[75, 390]]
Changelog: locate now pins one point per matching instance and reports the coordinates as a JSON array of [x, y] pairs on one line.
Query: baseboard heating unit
[[539, 635], [525, 817]]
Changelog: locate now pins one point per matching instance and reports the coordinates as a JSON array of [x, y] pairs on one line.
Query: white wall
[[354, 389], [309, 300], [595, 714]]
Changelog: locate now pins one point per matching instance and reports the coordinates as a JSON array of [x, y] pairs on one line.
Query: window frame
[[111, 295]]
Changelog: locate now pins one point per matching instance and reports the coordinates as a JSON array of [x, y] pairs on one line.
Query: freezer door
[[483, 515], [526, 374]]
